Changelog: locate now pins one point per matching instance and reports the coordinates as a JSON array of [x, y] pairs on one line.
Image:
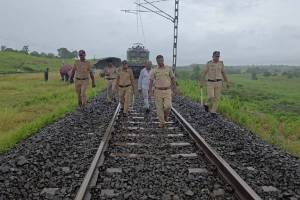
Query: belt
[[123, 86], [110, 78], [217, 80], [162, 88], [82, 78]]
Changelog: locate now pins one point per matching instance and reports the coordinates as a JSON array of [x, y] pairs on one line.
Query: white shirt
[[144, 79]]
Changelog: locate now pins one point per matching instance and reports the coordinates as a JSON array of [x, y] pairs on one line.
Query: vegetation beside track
[[17, 62], [28, 104], [269, 106]]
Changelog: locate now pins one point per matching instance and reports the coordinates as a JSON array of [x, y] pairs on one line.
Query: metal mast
[[158, 11], [175, 36]]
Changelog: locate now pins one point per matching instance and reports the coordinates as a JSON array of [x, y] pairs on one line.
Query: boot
[[206, 108]]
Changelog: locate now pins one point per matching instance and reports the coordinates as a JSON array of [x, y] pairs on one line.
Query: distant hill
[[16, 62]]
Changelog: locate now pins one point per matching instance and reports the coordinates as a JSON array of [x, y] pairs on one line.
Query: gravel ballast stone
[[263, 166], [52, 163]]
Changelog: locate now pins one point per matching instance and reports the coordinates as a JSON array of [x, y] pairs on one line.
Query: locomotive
[[136, 57]]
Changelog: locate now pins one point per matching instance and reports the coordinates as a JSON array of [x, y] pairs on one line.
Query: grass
[[269, 107], [16, 62], [28, 104]]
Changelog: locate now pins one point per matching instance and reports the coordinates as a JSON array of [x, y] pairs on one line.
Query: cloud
[[246, 32]]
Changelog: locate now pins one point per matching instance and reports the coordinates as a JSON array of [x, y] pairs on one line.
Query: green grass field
[[15, 62], [28, 103], [269, 106]]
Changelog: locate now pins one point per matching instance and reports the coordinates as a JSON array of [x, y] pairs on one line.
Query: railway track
[[138, 160]]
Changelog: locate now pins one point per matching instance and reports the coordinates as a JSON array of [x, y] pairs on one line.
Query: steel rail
[[84, 188], [242, 190]]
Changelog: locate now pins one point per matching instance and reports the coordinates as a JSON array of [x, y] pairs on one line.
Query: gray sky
[[245, 31]]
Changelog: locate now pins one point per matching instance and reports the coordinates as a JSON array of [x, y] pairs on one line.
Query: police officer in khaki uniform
[[164, 79], [125, 84], [215, 74], [82, 70], [110, 74]]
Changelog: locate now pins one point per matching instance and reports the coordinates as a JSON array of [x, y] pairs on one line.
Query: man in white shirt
[[143, 84]]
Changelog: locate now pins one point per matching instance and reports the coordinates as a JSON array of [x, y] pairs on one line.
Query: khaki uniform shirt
[[162, 76], [125, 77], [214, 70], [82, 69], [110, 72]]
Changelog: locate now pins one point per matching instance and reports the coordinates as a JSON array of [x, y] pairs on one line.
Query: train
[[136, 57]]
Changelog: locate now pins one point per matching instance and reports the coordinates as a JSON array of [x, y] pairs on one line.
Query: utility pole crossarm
[[150, 3], [156, 12], [135, 11]]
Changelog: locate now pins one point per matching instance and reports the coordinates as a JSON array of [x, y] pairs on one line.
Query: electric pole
[[150, 7], [175, 36]]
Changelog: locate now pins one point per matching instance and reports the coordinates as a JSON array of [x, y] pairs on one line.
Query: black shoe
[[206, 108], [147, 111], [124, 114], [214, 115]]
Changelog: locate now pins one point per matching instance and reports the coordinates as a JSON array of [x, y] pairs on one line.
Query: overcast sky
[[245, 31]]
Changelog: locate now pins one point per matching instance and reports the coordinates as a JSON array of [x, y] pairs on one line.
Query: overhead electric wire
[[150, 3]]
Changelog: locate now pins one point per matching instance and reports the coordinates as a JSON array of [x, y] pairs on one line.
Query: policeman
[[125, 83], [164, 80], [82, 70], [110, 73], [143, 84], [214, 71]]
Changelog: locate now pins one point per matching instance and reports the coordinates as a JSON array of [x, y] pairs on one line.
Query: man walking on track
[[125, 83], [143, 84], [82, 70], [214, 71], [110, 73], [164, 80]]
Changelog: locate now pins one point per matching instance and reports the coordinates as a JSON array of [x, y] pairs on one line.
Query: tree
[[35, 53], [65, 53], [10, 50], [3, 48], [74, 54], [50, 55], [43, 54], [266, 74], [253, 75]]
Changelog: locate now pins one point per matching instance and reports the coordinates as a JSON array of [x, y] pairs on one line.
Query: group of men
[[158, 82]]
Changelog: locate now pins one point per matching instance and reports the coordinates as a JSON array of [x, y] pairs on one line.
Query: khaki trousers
[[110, 87], [80, 88], [214, 93], [124, 97], [163, 103]]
